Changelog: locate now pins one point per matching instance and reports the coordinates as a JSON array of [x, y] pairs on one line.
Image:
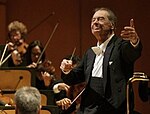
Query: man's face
[[15, 36], [100, 24]]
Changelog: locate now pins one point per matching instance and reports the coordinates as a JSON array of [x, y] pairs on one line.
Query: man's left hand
[[129, 33]]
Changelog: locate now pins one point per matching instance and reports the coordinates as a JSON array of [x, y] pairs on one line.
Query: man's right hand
[[66, 65]]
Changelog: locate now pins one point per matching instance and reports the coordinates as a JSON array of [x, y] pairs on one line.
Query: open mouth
[[96, 28]]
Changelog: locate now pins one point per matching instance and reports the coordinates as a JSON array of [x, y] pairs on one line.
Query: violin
[[46, 66], [20, 46], [17, 50], [46, 74]]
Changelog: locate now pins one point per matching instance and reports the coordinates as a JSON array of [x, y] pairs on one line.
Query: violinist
[[45, 69], [63, 98], [17, 46]]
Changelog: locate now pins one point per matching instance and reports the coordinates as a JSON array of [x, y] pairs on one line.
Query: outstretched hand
[[129, 33]]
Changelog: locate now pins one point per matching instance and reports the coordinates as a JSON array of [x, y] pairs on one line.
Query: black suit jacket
[[118, 63]]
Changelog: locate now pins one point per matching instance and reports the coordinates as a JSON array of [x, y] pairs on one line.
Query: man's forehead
[[101, 13], [15, 32]]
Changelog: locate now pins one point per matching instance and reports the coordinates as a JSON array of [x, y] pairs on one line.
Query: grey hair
[[112, 17], [16, 25], [28, 100]]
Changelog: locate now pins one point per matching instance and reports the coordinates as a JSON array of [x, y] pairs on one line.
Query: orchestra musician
[[44, 69], [14, 53], [74, 90], [17, 32]]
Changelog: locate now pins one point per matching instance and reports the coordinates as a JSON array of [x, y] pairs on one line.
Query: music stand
[[14, 78]]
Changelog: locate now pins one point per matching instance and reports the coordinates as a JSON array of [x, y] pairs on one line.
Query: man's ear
[[112, 26]]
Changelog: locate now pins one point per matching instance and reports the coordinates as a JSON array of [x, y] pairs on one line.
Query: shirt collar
[[104, 44]]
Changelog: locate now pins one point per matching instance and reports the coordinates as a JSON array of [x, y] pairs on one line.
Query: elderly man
[[106, 67], [28, 100]]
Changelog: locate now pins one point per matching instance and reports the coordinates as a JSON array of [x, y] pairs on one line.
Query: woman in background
[[45, 69]]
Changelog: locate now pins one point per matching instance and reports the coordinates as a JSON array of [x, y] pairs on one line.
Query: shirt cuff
[[55, 88], [135, 45], [65, 72]]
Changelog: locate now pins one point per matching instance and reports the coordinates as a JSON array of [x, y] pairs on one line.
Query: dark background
[[74, 27]]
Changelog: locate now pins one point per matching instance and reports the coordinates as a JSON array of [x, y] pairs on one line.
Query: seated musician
[[14, 52], [17, 46], [64, 98], [45, 69]]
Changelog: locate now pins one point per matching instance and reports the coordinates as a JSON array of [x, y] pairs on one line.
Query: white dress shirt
[[98, 64]]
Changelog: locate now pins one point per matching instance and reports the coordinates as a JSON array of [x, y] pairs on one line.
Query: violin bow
[[1, 61], [5, 59], [3, 53], [47, 42], [51, 14]]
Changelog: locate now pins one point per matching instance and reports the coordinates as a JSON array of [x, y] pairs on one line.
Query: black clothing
[[118, 62]]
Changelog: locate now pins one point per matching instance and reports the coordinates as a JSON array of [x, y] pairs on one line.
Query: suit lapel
[[106, 61], [91, 58]]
